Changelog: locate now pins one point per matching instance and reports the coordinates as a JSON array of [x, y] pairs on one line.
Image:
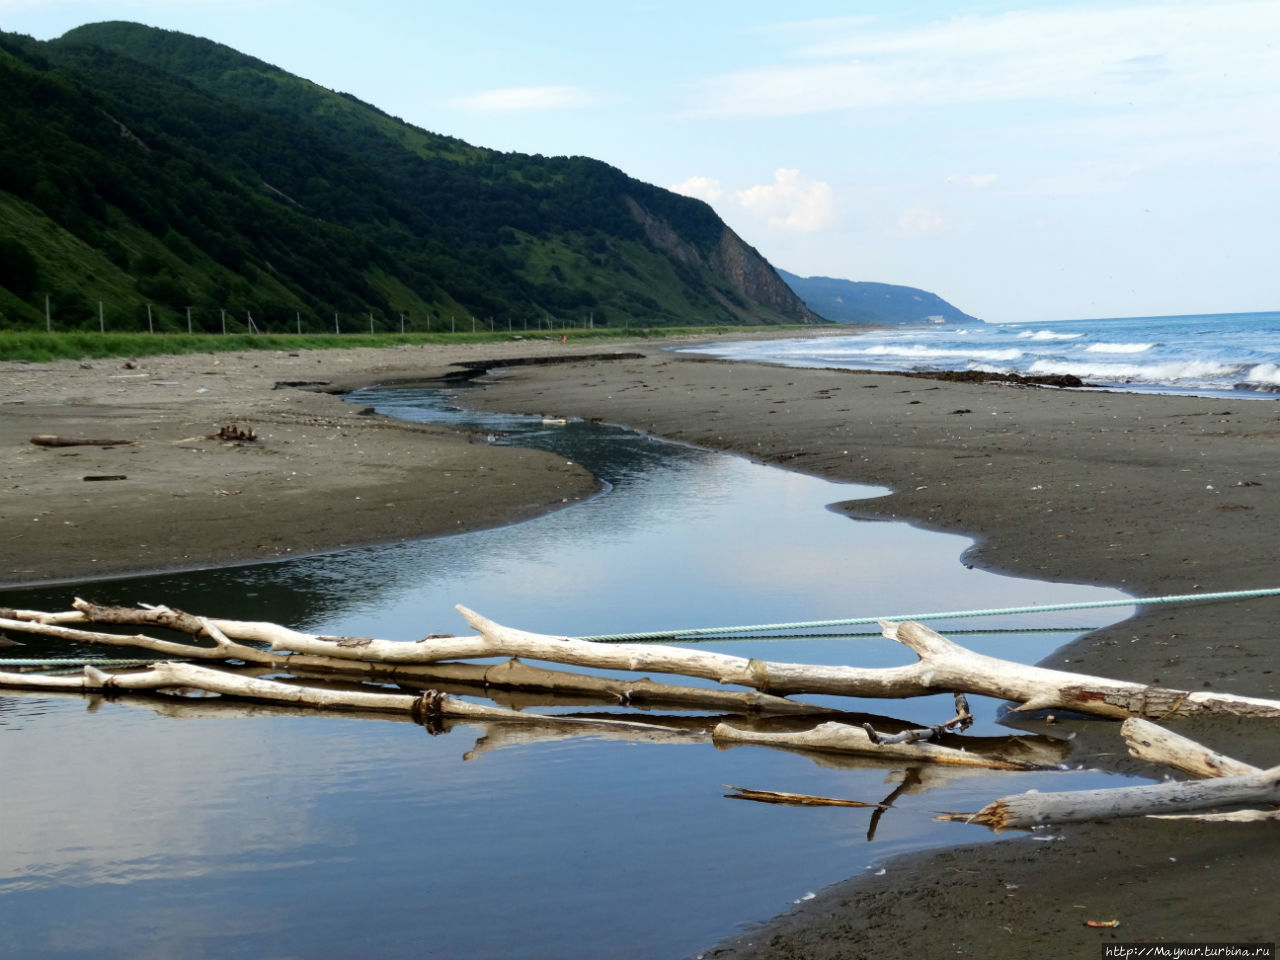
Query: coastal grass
[[41, 347]]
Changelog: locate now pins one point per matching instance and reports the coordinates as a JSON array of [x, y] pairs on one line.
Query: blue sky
[[1025, 160]]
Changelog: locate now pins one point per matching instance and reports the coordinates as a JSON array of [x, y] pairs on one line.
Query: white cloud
[[526, 98], [979, 181], [1083, 54], [703, 188], [922, 220], [793, 202]]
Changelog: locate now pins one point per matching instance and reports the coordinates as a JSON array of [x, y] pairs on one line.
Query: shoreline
[[1155, 494], [1129, 490]]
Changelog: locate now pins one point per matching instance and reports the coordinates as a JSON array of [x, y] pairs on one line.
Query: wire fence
[[155, 318]]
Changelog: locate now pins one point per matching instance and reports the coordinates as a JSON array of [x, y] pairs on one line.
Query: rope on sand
[[692, 633]]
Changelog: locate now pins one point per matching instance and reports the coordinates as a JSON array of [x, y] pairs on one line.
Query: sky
[[1027, 161]]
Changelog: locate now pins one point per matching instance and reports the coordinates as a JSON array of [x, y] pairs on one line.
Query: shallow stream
[[132, 833]]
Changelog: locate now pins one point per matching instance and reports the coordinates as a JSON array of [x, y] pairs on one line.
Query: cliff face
[[749, 279], [756, 279]]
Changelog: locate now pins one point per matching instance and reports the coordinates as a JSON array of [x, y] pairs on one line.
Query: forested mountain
[[140, 165], [852, 301]]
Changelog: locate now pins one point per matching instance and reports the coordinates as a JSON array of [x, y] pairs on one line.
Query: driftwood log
[[942, 667], [1227, 782], [1024, 811], [1149, 741], [357, 672]]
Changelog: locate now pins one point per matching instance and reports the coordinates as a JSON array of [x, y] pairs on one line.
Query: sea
[[1199, 354]]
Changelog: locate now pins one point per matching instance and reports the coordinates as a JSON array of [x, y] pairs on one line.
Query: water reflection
[[269, 834]]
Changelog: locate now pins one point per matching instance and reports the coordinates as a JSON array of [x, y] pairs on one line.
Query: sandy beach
[[1154, 494], [319, 474]]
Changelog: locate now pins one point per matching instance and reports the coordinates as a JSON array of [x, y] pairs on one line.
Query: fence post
[[298, 315], [48, 317], [102, 321], [150, 328], [224, 323], [188, 321], [336, 329]]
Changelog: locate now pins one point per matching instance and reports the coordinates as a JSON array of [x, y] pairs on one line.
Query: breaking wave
[[918, 351], [1118, 347], [1174, 372], [1048, 335], [1187, 354]]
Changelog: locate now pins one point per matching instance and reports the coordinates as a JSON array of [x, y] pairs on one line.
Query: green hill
[[140, 165], [851, 301]]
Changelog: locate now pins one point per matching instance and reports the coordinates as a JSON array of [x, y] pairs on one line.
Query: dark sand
[[318, 477], [1157, 495]]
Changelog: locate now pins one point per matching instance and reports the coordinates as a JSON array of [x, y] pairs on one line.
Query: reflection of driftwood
[[500, 735], [169, 676], [1026, 810], [53, 440], [846, 738], [203, 708]]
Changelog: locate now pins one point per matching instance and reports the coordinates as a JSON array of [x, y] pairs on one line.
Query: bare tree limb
[[943, 666], [1147, 741], [1026, 810]]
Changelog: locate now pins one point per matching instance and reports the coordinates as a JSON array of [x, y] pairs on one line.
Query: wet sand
[[1156, 495]]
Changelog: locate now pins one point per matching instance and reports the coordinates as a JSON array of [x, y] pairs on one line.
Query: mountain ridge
[[140, 165], [864, 301]]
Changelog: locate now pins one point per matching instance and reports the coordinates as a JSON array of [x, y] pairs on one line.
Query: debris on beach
[[233, 433]]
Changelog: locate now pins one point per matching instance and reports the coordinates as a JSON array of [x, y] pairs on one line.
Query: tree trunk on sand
[[1026, 810], [1147, 741]]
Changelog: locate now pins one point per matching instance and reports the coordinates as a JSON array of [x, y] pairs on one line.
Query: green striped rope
[[692, 633]]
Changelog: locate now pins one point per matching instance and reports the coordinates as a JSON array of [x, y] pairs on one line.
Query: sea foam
[[1048, 335], [1118, 347]]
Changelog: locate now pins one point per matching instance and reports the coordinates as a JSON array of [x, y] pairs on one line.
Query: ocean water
[[1201, 354]]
